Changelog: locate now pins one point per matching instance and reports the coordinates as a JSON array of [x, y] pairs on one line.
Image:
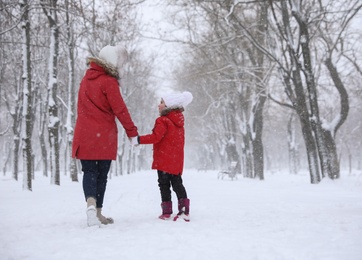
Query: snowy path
[[283, 217]]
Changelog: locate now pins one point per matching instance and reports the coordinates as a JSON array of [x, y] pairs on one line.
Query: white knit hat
[[115, 55], [177, 99]]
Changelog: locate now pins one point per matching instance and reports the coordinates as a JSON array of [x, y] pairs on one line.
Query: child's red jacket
[[168, 139]]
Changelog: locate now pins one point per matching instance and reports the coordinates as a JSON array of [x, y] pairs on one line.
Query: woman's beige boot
[[104, 220]]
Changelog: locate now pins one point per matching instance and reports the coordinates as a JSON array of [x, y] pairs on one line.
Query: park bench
[[230, 172]]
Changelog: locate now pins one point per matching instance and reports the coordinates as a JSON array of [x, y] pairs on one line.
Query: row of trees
[[262, 73], [44, 45], [303, 55]]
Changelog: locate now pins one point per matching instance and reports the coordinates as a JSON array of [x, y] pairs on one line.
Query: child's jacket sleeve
[[158, 132]]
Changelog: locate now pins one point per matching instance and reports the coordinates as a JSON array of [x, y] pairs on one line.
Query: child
[[168, 139]]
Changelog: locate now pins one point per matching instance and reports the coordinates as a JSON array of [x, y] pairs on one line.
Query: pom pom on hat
[[178, 99], [115, 55]]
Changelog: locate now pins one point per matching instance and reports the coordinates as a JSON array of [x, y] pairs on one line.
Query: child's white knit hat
[[177, 99]]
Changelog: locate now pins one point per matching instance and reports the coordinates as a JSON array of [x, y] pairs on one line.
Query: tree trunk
[[121, 155], [44, 154], [16, 114], [298, 98], [247, 155], [16, 156], [344, 110], [42, 126], [53, 126], [334, 169], [255, 97], [27, 100], [258, 147], [312, 153], [232, 154], [293, 146], [258, 109], [312, 96], [302, 111], [7, 157], [71, 94]]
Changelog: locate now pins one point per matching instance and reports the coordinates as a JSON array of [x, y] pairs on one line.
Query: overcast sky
[[155, 24]]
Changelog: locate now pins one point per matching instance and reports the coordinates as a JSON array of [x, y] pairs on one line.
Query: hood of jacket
[[94, 71], [175, 115]]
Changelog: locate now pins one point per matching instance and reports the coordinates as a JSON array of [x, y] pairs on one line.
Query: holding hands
[[134, 141]]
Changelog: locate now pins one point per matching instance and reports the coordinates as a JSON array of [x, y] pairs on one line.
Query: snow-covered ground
[[283, 217]]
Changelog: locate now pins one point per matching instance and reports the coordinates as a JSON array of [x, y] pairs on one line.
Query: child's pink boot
[[183, 210], [166, 210]]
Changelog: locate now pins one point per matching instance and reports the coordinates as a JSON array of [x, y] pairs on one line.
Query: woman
[[95, 136]]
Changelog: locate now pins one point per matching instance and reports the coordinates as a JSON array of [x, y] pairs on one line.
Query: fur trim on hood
[[108, 67], [167, 110]]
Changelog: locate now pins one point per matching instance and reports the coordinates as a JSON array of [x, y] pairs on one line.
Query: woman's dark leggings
[[95, 179], [165, 181]]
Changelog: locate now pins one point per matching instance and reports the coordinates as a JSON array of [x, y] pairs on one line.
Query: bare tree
[[292, 76], [336, 45], [71, 89], [50, 10], [55, 80], [295, 30], [11, 82], [27, 98], [240, 74]]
